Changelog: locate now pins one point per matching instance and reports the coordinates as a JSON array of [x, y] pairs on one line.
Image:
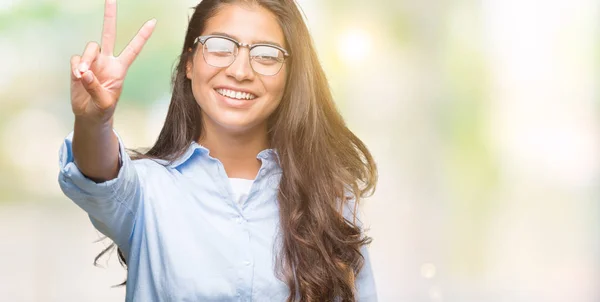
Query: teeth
[[236, 94]]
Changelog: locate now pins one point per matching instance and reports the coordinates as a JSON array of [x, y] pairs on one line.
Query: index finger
[[134, 47], [109, 28]]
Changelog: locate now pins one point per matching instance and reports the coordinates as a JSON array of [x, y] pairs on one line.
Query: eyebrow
[[255, 42]]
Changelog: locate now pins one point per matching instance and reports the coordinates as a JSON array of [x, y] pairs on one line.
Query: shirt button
[[247, 263], [263, 172], [239, 220]]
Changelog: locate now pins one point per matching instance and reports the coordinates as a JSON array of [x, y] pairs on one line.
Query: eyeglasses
[[221, 51]]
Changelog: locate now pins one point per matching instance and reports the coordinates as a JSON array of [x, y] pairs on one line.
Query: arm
[[365, 282], [90, 171], [97, 79], [96, 150], [112, 205]]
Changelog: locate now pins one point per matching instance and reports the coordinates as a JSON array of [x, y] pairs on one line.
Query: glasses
[[221, 51]]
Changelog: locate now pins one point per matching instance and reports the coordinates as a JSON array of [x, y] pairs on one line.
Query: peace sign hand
[[97, 76]]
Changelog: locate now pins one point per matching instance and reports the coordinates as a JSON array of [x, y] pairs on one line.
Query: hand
[[97, 76]]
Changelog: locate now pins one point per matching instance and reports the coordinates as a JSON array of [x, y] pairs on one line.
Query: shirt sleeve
[[365, 282], [111, 205]]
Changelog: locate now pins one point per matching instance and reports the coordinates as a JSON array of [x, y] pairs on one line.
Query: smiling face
[[235, 98]]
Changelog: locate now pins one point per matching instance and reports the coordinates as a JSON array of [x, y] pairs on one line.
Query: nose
[[241, 69]]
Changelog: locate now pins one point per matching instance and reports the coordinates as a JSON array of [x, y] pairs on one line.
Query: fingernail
[[87, 77], [83, 67], [152, 22], [76, 73]]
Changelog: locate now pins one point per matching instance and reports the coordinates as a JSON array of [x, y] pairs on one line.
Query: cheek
[[201, 77], [200, 72], [276, 86]]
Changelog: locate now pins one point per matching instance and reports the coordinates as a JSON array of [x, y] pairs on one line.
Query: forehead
[[246, 23]]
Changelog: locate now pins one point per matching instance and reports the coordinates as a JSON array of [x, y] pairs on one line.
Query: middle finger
[[109, 28]]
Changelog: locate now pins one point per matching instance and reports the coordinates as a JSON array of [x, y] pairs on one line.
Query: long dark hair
[[325, 166]]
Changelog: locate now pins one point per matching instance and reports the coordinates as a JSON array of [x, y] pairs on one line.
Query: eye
[[266, 55], [266, 59], [219, 47], [220, 52]]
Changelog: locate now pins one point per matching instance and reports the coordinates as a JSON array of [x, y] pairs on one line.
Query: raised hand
[[97, 76]]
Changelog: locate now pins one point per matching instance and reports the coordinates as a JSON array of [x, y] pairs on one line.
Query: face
[[214, 87]]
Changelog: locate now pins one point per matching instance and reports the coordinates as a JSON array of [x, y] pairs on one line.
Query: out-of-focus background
[[482, 115]]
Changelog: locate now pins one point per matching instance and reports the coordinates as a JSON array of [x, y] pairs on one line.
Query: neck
[[237, 151]]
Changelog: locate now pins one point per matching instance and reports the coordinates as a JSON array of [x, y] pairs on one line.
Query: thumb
[[93, 87]]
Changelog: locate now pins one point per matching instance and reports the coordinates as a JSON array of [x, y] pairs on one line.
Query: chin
[[236, 125]]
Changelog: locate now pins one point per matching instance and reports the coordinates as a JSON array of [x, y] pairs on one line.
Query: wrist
[[91, 124]]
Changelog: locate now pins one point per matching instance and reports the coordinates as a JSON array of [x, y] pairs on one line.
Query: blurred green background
[[483, 117]]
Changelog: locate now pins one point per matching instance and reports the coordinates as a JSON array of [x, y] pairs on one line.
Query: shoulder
[[149, 168], [150, 163]]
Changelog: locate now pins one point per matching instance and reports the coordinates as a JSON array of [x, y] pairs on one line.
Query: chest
[[203, 245]]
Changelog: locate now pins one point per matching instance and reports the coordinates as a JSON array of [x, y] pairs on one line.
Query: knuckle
[[93, 44], [92, 47], [133, 50]]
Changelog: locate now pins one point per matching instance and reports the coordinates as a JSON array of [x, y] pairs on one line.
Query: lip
[[234, 103]]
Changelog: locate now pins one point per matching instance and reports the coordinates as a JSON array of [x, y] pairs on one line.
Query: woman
[[251, 190]]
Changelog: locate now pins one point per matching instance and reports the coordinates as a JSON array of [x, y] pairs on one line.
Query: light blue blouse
[[184, 237]]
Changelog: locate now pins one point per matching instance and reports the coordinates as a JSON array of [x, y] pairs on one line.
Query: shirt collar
[[197, 149]]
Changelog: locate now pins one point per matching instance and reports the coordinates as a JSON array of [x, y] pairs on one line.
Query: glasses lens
[[266, 60], [219, 52]]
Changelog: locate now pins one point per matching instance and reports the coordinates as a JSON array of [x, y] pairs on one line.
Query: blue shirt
[[183, 235]]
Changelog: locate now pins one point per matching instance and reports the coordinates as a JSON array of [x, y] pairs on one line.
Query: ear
[[189, 65], [188, 69]]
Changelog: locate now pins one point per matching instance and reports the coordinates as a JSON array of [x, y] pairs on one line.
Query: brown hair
[[325, 166]]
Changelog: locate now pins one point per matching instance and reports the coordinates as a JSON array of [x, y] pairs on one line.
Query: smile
[[238, 95]]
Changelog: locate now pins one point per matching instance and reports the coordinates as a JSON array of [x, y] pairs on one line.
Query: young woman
[[251, 191]]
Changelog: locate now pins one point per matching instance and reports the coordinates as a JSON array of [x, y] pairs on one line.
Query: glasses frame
[[203, 39]]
